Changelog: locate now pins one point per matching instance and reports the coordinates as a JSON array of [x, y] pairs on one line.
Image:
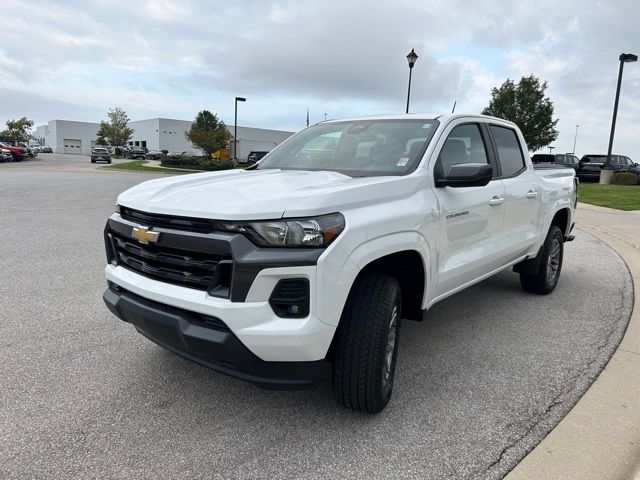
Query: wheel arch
[[562, 219], [407, 267], [413, 282]]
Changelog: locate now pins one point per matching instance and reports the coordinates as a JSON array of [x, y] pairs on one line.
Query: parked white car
[[317, 252], [5, 155]]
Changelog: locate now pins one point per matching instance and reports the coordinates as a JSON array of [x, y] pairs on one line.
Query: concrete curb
[[600, 437]]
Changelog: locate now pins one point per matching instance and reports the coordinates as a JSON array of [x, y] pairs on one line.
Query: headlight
[[299, 232]]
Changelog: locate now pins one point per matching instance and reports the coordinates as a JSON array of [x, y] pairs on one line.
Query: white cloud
[[174, 58]]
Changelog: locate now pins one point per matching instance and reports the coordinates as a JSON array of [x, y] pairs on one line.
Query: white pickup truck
[[316, 253]]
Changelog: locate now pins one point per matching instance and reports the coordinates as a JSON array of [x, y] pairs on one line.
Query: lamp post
[[624, 58], [575, 139], [235, 129], [411, 58], [551, 148]]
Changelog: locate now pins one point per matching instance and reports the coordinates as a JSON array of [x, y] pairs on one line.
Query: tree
[[115, 131], [208, 133], [102, 134], [19, 129], [526, 105]]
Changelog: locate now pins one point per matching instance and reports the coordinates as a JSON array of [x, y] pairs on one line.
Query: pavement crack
[[629, 351], [603, 350]]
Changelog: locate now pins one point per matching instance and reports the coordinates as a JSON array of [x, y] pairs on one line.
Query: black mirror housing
[[466, 175]]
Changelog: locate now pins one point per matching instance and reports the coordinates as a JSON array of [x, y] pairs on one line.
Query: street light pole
[[411, 58], [575, 139], [551, 148], [235, 129], [624, 58]]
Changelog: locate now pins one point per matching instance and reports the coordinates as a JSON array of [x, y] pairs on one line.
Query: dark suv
[[591, 165], [135, 152], [565, 159], [100, 154]]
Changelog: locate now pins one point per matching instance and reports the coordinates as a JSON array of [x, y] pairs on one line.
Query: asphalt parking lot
[[480, 381], [59, 163]]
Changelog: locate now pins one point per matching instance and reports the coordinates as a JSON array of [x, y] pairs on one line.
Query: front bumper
[[208, 341]]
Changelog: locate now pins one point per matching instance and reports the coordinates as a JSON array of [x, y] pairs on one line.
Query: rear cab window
[[510, 156]]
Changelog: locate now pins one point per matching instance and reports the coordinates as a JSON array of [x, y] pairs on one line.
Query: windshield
[[355, 148]]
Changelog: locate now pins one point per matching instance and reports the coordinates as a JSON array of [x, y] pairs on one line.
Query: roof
[[444, 118]]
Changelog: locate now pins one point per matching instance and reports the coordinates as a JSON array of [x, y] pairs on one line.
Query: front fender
[[336, 273]]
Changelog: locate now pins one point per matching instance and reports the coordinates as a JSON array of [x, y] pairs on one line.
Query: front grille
[[172, 265], [201, 225]]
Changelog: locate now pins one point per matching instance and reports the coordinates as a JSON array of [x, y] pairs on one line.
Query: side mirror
[[466, 175]]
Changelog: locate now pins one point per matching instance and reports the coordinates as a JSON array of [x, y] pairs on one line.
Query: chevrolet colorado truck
[[316, 254]]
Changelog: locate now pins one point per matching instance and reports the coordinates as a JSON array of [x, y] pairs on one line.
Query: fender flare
[[332, 296]]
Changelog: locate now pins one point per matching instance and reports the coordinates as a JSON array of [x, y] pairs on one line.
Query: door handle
[[495, 201], [532, 194]]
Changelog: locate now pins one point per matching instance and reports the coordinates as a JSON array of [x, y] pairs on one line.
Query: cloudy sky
[[75, 59]]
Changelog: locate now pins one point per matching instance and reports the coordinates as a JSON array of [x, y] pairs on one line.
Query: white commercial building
[[66, 136]]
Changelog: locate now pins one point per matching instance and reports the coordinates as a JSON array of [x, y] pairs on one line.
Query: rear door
[[469, 243], [522, 192]]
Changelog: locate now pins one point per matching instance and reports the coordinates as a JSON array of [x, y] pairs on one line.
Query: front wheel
[[367, 344], [546, 278]]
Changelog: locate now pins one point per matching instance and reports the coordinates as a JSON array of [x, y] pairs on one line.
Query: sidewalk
[[600, 437]]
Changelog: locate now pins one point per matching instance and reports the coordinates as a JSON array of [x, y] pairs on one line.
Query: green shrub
[[195, 163], [625, 178], [165, 152]]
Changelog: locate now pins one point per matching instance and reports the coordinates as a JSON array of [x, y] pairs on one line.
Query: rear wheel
[[546, 278], [367, 344]]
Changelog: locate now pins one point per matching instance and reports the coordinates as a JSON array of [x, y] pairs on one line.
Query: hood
[[258, 194], [11, 148]]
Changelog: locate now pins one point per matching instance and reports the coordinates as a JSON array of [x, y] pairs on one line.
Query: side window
[[463, 145], [509, 151]]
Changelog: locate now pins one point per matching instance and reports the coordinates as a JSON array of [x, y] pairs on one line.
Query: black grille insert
[[172, 265], [158, 220]]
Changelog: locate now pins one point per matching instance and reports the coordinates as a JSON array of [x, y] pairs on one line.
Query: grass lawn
[[622, 197], [139, 166]]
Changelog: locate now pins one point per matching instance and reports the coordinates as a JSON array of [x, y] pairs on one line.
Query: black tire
[[544, 281], [367, 344], [108, 161], [93, 161]]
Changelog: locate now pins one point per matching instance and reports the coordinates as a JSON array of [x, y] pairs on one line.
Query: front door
[[469, 242]]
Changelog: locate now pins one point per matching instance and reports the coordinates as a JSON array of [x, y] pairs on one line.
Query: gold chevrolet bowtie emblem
[[144, 235]]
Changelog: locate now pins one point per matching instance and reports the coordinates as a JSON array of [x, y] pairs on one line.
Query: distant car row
[[103, 154], [588, 168], [14, 153], [42, 149]]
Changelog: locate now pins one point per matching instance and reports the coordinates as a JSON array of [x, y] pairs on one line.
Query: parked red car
[[18, 153]]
